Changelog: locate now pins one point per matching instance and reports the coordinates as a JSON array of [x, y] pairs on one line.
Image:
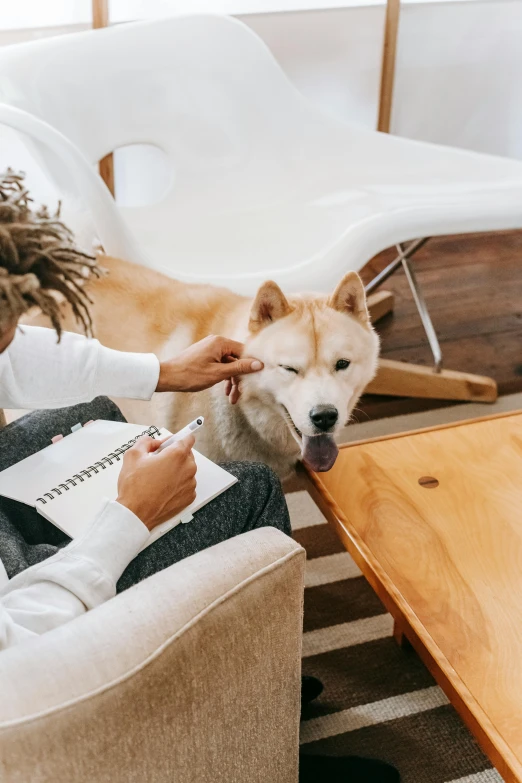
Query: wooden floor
[[473, 287]]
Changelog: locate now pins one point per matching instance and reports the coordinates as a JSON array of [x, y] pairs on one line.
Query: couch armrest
[[191, 676]]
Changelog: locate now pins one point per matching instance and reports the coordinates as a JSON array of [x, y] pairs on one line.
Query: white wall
[[460, 75], [459, 68], [48, 13]]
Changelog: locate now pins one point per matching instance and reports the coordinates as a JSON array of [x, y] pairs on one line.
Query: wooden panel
[[106, 168], [100, 18], [389, 53], [446, 561], [100, 13], [380, 304], [413, 380]]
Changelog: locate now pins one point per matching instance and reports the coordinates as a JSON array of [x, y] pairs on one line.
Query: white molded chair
[[263, 184]]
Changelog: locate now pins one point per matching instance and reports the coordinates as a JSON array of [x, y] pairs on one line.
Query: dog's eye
[[342, 364], [289, 369]]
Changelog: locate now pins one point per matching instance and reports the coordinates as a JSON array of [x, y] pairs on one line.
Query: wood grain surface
[[446, 559], [389, 56], [414, 380], [100, 18]]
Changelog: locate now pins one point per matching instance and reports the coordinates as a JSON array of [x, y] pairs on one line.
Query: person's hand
[[204, 364], [156, 487]]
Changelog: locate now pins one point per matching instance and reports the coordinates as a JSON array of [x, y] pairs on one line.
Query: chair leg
[[422, 307], [398, 379], [405, 254], [395, 264], [380, 304]]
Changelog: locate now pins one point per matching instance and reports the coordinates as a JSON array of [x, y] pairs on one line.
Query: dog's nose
[[324, 416]]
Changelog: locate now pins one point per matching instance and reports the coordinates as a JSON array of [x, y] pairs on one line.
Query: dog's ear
[[349, 297], [269, 305]]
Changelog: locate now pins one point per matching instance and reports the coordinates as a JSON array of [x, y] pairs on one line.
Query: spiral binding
[[92, 470]]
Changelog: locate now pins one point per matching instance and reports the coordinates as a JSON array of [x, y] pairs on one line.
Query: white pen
[[188, 430]]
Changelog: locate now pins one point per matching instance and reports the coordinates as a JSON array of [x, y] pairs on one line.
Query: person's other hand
[[204, 364], [232, 390], [156, 487]]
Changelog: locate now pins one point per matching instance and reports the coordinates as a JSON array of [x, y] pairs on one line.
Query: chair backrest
[[90, 208], [205, 89]]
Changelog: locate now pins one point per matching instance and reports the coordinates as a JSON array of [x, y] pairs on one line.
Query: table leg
[[399, 635]]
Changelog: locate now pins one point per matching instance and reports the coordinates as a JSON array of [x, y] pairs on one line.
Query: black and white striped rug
[[379, 700]]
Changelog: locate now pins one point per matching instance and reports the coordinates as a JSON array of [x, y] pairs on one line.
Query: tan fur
[[138, 309]]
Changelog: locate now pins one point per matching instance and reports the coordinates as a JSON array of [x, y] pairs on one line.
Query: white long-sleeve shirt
[[38, 372]]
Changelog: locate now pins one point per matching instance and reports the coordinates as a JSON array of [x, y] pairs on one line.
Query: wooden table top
[[448, 557]]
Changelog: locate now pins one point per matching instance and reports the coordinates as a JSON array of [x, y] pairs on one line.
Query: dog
[[319, 353]]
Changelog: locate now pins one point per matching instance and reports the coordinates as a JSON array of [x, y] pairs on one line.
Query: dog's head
[[319, 353]]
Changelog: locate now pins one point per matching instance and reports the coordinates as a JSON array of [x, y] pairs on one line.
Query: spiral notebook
[[67, 481]]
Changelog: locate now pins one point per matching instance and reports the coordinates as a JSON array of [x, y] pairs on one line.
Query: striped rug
[[378, 700]]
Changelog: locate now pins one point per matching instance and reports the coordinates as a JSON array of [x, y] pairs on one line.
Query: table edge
[[421, 430]]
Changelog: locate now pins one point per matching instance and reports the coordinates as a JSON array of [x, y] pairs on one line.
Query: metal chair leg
[[422, 307], [403, 258], [395, 264]]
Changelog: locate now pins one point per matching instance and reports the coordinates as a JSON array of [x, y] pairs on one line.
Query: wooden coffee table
[[434, 520]]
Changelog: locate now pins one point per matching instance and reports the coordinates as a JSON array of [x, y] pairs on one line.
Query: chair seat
[[309, 227]]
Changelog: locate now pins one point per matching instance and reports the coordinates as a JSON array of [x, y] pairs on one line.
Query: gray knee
[[263, 475], [268, 489], [104, 408], [262, 490]]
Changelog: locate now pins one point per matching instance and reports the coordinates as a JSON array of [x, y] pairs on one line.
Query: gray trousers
[[26, 537]]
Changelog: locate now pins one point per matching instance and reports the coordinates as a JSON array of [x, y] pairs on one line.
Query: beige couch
[[192, 676]]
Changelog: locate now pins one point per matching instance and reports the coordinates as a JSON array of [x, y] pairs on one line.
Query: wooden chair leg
[[380, 304], [398, 379]]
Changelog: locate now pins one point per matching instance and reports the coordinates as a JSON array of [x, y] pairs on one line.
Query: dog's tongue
[[319, 452]]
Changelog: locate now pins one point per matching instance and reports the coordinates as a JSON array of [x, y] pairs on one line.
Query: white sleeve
[[38, 372], [76, 579]]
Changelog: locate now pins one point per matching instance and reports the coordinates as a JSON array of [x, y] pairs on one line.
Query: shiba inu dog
[[319, 352]]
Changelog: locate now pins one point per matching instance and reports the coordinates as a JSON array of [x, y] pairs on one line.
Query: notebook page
[[73, 511], [41, 472]]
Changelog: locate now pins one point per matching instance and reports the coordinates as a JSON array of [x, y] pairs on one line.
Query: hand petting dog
[[207, 362]]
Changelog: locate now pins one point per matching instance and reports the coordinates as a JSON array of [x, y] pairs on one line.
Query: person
[[45, 579]]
